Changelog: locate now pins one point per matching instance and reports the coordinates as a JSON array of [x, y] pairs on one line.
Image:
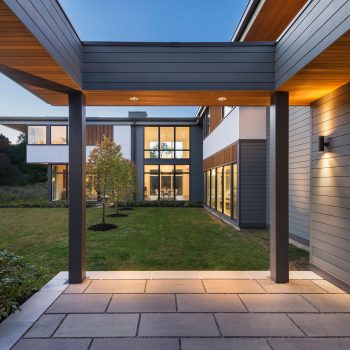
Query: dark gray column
[[279, 262], [77, 207]]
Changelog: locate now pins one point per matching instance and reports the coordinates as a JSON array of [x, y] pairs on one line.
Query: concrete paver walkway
[[224, 310]]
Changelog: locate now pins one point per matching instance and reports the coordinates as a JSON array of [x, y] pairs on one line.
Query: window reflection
[[219, 189], [58, 135], [227, 190], [212, 192], [36, 135], [59, 182]]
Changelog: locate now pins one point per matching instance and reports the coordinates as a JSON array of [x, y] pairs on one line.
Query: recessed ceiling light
[[222, 98], [134, 98]]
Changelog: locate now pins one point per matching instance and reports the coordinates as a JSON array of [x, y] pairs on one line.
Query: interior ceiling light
[[222, 98], [134, 98]]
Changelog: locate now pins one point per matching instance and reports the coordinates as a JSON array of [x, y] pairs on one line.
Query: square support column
[[77, 206], [279, 150]]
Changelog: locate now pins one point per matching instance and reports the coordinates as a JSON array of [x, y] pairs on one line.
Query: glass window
[[166, 142], [182, 143], [227, 190], [219, 189], [166, 182], [151, 183], [208, 187], [235, 192], [151, 142], [206, 126], [182, 182], [58, 135], [36, 135], [212, 192], [59, 182]]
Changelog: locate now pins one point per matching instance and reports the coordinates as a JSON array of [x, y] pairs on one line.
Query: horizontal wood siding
[[95, 133], [220, 66], [299, 173], [252, 183], [320, 24], [215, 116], [330, 191], [46, 20], [226, 156]]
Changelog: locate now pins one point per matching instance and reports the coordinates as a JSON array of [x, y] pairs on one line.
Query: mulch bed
[[102, 227]]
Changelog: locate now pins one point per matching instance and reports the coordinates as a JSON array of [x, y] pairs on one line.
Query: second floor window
[[167, 142], [58, 135], [36, 135]]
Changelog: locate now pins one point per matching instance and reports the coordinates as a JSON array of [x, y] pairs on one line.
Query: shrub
[[23, 193], [18, 280]]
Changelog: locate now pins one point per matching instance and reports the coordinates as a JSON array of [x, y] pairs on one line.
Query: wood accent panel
[[273, 19], [95, 133], [325, 73], [215, 116], [24, 55], [226, 156]]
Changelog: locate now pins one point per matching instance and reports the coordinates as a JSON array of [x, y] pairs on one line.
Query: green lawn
[[148, 239]]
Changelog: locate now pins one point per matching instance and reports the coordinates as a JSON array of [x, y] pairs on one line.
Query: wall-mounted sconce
[[323, 143]]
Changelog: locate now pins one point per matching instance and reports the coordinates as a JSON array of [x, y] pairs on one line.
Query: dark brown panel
[[272, 19], [226, 156], [215, 116], [95, 133]]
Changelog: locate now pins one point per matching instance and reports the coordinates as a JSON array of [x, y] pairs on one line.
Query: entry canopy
[[40, 50]]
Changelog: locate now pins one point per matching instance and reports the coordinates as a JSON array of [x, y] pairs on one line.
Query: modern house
[[280, 158], [167, 152]]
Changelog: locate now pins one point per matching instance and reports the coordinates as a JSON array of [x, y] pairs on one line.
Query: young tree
[[104, 163], [130, 187]]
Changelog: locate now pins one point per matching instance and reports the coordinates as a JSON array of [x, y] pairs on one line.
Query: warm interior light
[[133, 98], [222, 98]]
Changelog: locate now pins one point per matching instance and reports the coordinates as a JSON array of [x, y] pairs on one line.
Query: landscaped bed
[[147, 239]]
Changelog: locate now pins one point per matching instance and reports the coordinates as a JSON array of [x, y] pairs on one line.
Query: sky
[[130, 20]]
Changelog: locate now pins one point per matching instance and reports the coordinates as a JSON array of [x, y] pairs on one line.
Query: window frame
[[50, 135], [37, 144]]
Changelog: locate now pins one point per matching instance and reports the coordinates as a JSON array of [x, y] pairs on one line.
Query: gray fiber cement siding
[[299, 173], [196, 165], [330, 191], [252, 183]]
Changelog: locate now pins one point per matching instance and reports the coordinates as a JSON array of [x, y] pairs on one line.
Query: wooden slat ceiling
[[272, 19], [23, 57], [327, 72]]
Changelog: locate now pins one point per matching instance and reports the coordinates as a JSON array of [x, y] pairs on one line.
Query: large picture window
[[208, 187], [212, 190], [167, 142], [219, 189], [235, 192], [36, 135], [227, 190], [166, 182]]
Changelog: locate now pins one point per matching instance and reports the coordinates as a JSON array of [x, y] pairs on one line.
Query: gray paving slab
[[98, 325], [330, 302], [45, 326], [80, 303], [294, 286], [135, 344], [209, 303], [224, 344], [257, 325], [328, 287], [323, 325], [10, 333], [178, 325], [77, 287], [116, 286], [175, 275], [232, 286], [52, 344], [276, 303], [174, 286], [142, 303], [310, 344]]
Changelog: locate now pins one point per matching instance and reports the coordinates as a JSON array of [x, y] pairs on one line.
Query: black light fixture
[[323, 143]]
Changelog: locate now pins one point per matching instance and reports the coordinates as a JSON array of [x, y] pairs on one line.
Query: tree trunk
[[103, 211]]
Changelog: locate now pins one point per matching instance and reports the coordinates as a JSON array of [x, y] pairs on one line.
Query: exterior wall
[[330, 191], [139, 135], [299, 174], [95, 133], [268, 168], [252, 123], [122, 136], [51, 154], [196, 167], [252, 183]]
